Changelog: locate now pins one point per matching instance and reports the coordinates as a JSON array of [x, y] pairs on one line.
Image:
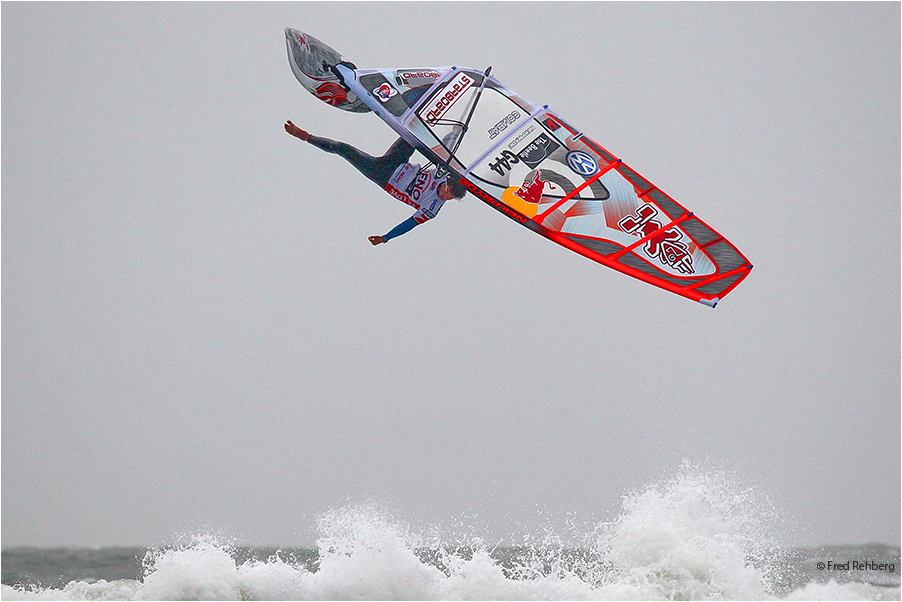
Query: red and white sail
[[536, 168]]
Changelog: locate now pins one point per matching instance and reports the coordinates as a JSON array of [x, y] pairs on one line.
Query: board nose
[[291, 36], [295, 38]]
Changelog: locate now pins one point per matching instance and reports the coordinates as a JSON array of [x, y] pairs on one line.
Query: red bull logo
[[531, 190]]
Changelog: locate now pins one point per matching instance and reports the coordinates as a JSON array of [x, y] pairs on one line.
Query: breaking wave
[[696, 536]]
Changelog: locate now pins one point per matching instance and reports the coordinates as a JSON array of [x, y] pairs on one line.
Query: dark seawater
[[855, 572], [55, 568]]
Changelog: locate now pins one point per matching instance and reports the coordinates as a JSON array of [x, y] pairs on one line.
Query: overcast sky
[[198, 336]]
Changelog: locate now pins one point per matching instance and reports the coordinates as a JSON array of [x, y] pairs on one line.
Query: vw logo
[[582, 163]]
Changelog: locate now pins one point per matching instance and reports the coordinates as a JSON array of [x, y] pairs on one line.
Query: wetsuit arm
[[402, 228]]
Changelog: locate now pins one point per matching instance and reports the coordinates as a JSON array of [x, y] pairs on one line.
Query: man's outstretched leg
[[376, 169]]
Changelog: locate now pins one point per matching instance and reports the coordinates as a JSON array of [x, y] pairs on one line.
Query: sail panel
[[530, 164]]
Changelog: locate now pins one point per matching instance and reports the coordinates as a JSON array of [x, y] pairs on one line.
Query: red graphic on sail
[[531, 190], [667, 246]]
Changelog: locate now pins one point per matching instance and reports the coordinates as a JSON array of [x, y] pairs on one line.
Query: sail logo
[[384, 92], [445, 100], [521, 136], [406, 76], [666, 246], [538, 150], [582, 163], [531, 190], [503, 124]]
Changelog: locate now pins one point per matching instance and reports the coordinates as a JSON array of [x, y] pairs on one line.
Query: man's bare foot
[[296, 131]]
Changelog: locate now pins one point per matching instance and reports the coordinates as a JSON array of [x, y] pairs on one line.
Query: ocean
[[695, 537]]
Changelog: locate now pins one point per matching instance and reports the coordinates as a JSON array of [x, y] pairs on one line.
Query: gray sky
[[198, 336]]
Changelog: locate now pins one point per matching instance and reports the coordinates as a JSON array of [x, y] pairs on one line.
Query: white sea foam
[[698, 536], [695, 536]]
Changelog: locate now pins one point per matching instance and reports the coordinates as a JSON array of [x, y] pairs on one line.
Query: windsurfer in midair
[[393, 173]]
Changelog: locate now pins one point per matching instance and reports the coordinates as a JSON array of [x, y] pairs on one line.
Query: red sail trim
[[490, 200], [711, 242], [540, 218], [720, 276], [576, 247]]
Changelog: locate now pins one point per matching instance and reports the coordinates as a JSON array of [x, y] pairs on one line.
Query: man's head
[[451, 189]]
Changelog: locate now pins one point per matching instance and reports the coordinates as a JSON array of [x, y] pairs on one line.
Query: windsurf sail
[[539, 170]]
